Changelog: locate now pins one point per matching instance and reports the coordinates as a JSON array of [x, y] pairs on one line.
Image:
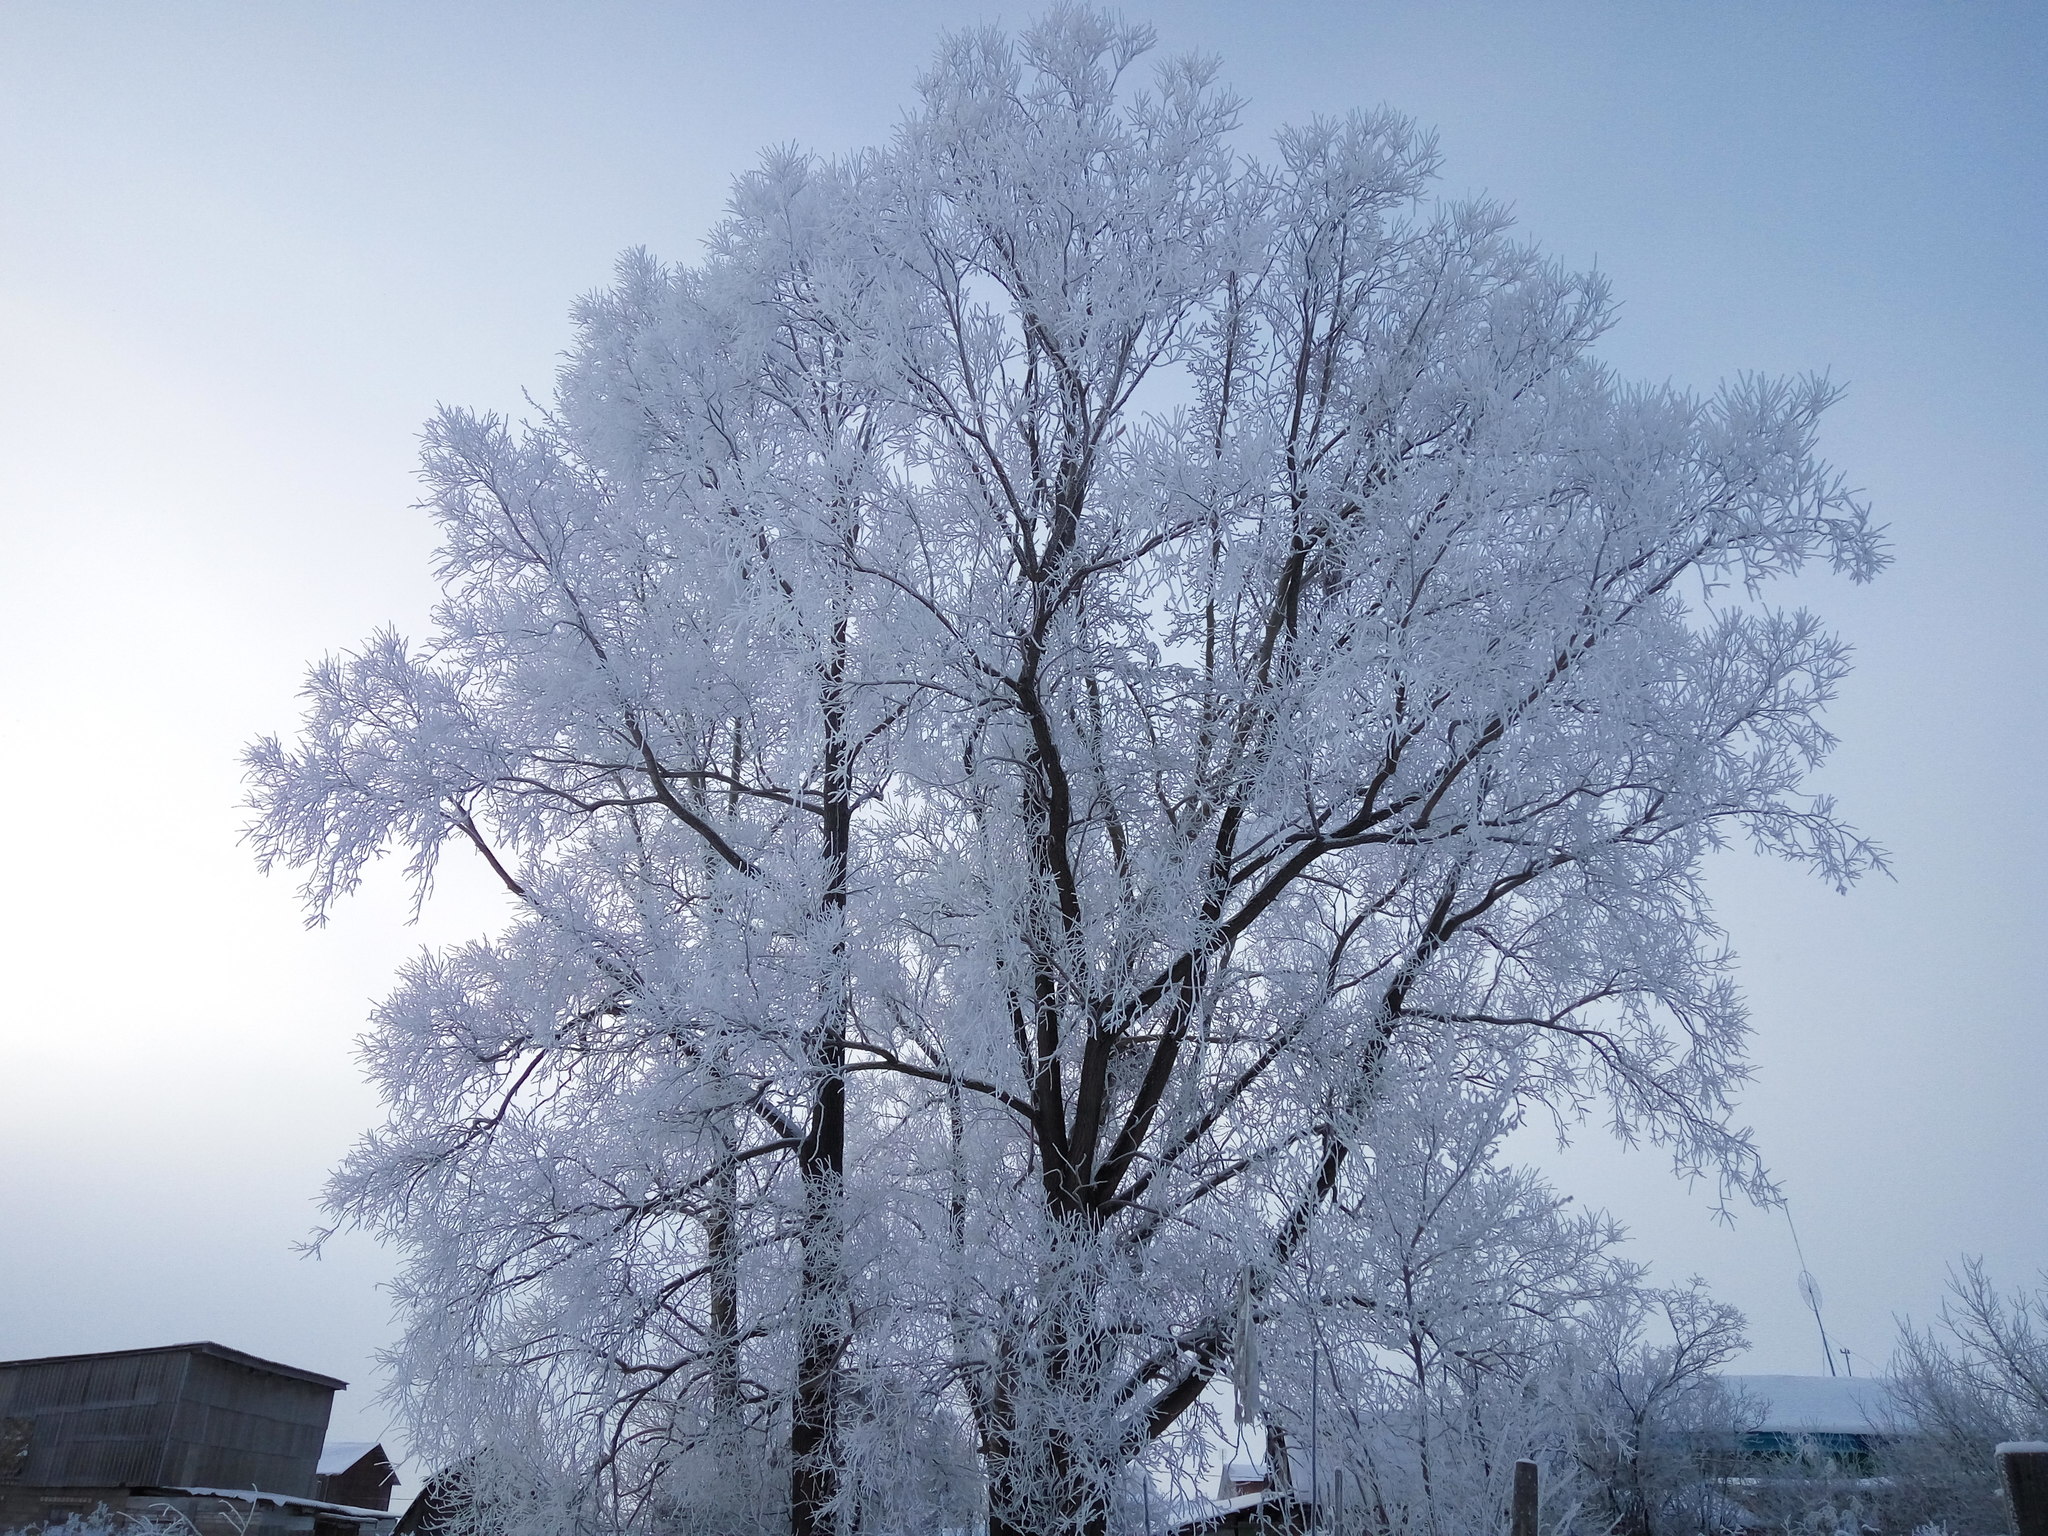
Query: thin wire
[[1809, 1290]]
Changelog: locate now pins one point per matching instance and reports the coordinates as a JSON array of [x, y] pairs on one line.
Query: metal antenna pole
[[1809, 1291]]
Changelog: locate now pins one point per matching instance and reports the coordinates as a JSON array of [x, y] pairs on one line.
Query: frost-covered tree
[[1456, 1315], [1437, 1339], [1976, 1376], [1002, 698], [1649, 1418]]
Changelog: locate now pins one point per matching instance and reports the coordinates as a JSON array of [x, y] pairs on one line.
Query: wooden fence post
[[2023, 1469], [1523, 1519]]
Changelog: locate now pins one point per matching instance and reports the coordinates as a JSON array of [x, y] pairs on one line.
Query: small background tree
[[1975, 1377]]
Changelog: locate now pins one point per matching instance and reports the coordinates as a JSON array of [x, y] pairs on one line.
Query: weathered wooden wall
[[94, 1422], [201, 1415]]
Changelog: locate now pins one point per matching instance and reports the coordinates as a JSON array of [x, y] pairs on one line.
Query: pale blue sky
[[244, 249]]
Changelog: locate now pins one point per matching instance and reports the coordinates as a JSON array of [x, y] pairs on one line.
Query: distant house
[[355, 1472], [1246, 1504], [229, 1441], [1262, 1513], [434, 1510], [1845, 1420]]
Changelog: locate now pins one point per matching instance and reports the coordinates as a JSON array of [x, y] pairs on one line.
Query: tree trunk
[[825, 1328], [721, 1243]]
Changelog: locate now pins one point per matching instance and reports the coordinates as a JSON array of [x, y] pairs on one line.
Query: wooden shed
[[184, 1427]]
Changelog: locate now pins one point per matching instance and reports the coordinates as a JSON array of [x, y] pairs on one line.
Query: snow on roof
[[254, 1496], [340, 1455], [1820, 1405]]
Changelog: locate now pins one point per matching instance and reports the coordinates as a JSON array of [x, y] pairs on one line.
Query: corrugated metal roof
[[203, 1347]]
